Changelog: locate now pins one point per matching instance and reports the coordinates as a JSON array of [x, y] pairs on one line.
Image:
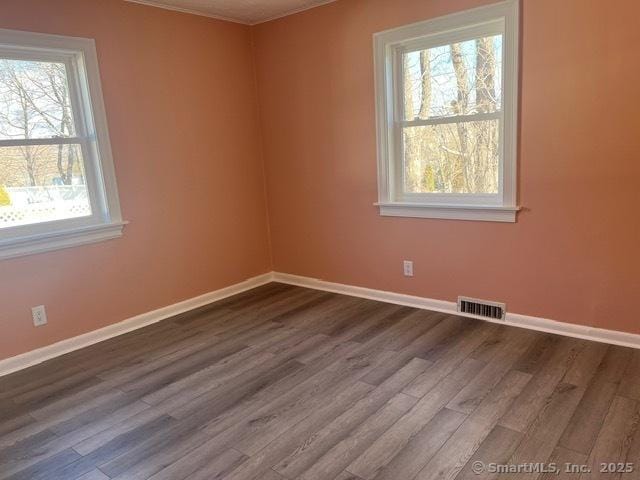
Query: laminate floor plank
[[418, 347], [585, 424], [615, 438], [499, 364], [498, 340], [29, 450], [41, 469], [65, 365], [243, 387], [542, 437], [316, 316], [420, 448], [75, 465], [256, 465], [74, 419], [389, 444], [97, 435], [496, 449], [204, 462], [537, 354], [340, 455], [568, 463], [192, 386], [376, 319], [389, 321], [633, 457], [459, 448], [319, 390], [234, 421], [320, 442], [542, 386], [412, 327], [157, 451], [288, 383], [450, 359], [345, 475], [94, 475], [586, 364], [258, 385], [631, 387]]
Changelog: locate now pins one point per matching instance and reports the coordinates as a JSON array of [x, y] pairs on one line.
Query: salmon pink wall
[[573, 253], [181, 104], [192, 137]]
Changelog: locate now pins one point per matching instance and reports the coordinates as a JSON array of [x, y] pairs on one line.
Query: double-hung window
[[447, 99], [57, 184]]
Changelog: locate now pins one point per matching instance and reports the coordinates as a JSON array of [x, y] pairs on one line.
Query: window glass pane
[[41, 184], [458, 79], [34, 100], [452, 158]]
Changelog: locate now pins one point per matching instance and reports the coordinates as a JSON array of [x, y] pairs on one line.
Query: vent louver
[[482, 308]]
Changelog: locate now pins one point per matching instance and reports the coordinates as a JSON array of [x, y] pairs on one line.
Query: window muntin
[[447, 114], [57, 184], [45, 181], [451, 99]]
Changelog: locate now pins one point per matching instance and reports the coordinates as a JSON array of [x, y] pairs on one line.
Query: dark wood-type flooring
[[284, 383]]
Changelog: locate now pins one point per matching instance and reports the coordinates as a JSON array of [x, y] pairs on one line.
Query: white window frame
[[500, 18], [85, 90]]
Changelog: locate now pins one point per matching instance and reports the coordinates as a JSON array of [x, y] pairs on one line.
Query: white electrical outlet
[[408, 268], [39, 316]]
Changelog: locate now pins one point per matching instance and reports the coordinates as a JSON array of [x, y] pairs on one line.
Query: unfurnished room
[[319, 239]]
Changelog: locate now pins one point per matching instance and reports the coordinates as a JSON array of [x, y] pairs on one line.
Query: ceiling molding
[[188, 11], [294, 11], [150, 3]]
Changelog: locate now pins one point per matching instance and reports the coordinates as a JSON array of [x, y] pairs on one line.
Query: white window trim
[[85, 90], [447, 29]]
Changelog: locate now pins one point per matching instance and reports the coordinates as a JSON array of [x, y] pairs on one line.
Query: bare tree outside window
[[58, 186], [44, 181], [453, 155]]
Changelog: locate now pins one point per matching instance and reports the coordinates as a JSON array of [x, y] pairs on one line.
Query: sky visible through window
[[43, 182], [456, 80], [444, 87], [34, 100]]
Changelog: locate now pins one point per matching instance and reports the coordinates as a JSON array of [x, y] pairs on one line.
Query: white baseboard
[[514, 319], [40, 355]]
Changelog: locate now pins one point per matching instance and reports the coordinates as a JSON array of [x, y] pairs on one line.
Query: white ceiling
[[242, 11]]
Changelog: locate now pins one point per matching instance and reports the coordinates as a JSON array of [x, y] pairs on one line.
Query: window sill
[[449, 212], [46, 242]]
